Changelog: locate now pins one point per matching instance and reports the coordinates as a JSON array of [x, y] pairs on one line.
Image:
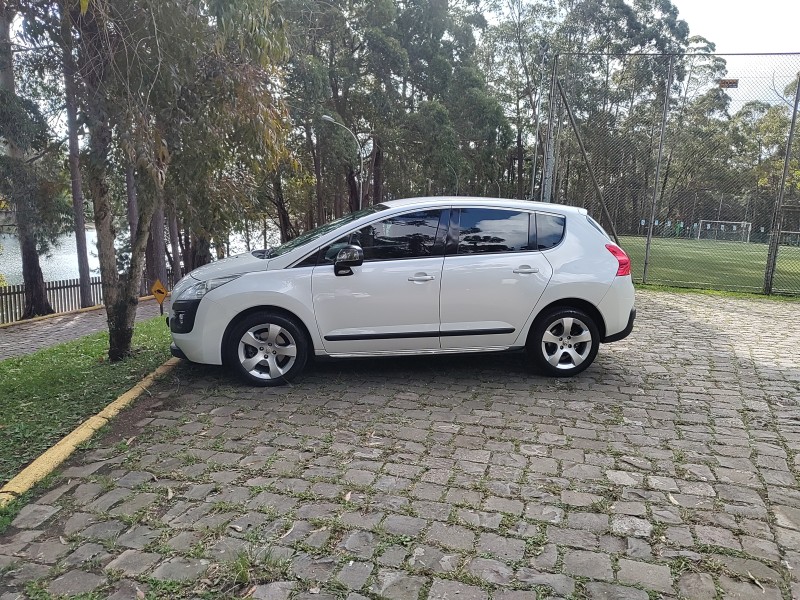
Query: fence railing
[[63, 295]]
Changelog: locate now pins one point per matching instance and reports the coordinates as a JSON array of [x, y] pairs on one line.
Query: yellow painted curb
[[47, 462], [66, 313]]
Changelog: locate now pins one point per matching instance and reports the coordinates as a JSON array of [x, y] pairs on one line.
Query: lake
[[61, 263]]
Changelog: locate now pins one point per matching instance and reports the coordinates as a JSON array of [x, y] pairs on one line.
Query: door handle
[[422, 277], [526, 270]]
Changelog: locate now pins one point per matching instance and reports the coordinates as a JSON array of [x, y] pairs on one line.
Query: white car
[[410, 277]]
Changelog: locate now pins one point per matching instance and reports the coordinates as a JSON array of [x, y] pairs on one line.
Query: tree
[[26, 179], [76, 181], [180, 90]]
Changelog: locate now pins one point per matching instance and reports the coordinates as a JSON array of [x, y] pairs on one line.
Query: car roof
[[478, 201]]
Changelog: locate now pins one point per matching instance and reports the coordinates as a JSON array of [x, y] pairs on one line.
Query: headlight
[[201, 288]]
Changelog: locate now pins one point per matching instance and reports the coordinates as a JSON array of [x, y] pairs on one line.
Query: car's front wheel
[[563, 342], [266, 349]]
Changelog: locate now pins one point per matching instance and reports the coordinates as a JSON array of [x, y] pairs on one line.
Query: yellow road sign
[[159, 291]]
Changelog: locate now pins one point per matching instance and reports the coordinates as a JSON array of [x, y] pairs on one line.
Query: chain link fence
[[687, 153]]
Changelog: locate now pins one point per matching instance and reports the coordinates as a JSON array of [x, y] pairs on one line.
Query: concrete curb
[[66, 313], [48, 461]]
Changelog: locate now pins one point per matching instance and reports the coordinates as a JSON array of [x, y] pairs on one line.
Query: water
[[61, 263]]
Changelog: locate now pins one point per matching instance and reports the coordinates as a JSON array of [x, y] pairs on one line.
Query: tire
[[552, 344], [279, 342]]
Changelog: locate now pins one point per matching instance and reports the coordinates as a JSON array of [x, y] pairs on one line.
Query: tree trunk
[[156, 247], [6, 56], [520, 163], [314, 151], [201, 252], [377, 172], [188, 248], [36, 302], [352, 187], [132, 208], [133, 203], [71, 102], [174, 242], [284, 223]]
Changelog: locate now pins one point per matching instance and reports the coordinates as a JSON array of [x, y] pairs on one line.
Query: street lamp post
[[330, 119]]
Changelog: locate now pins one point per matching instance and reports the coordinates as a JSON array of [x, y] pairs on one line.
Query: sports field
[[713, 264]]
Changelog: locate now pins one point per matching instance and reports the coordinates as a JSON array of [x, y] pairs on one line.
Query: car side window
[[549, 230], [491, 230], [411, 235]]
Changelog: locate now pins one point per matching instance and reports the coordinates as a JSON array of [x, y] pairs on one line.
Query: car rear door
[[493, 276]]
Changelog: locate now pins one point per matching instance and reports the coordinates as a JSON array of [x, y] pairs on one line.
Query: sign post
[[160, 293]]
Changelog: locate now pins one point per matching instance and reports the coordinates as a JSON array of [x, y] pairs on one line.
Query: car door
[[391, 302], [493, 275]]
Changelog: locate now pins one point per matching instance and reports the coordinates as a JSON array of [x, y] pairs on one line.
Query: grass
[[46, 394], [713, 264]]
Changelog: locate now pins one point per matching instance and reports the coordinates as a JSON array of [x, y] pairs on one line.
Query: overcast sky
[[744, 25]]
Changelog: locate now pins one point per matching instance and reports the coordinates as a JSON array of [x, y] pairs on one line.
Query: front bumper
[[624, 333], [177, 352]]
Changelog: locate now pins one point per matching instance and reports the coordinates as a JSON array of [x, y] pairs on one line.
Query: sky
[[744, 25]]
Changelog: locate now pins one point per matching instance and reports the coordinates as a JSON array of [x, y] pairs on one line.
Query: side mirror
[[347, 258]]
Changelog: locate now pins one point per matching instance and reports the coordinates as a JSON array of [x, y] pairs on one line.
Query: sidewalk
[[28, 337]]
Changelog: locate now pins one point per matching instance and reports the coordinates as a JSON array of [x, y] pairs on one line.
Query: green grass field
[[713, 264]]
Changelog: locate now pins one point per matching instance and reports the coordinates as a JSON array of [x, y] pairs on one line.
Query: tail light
[[622, 258]]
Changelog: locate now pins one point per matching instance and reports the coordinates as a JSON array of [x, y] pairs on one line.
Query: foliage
[[33, 183], [218, 107], [45, 395]]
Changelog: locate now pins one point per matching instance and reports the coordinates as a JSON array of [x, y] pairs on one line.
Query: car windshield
[[310, 236]]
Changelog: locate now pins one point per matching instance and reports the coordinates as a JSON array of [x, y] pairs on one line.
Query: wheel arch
[[266, 308], [577, 303]]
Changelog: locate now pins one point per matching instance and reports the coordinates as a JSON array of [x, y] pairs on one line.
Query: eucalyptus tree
[[29, 174], [157, 78]]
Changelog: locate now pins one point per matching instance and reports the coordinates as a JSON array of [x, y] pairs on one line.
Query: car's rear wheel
[[267, 349], [563, 342]]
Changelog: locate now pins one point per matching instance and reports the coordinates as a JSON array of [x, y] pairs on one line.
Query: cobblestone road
[[26, 338], [668, 470]]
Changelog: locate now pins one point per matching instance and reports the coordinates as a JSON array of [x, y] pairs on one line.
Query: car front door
[[492, 278], [391, 302]]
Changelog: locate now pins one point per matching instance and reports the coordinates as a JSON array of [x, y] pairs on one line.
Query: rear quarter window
[[598, 227], [549, 230]]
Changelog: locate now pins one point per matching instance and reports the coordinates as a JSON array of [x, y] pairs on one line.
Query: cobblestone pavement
[[668, 470], [28, 337]]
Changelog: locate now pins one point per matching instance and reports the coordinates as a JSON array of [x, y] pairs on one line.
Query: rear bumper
[[624, 333]]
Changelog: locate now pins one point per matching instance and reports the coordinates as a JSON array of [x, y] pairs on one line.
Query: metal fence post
[[777, 218], [550, 148], [667, 85], [538, 122]]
